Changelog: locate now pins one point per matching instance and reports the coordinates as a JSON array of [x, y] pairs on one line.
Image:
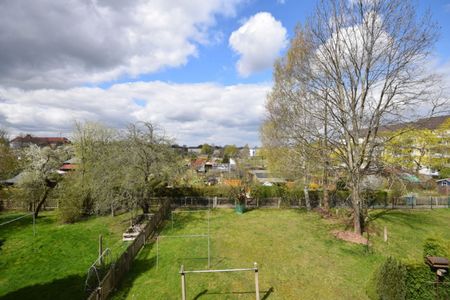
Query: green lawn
[[297, 255], [53, 263]]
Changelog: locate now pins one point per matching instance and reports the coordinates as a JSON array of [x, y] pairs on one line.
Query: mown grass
[[298, 256], [53, 263]]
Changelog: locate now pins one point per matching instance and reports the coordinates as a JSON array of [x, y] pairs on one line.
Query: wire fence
[[122, 265], [407, 202]]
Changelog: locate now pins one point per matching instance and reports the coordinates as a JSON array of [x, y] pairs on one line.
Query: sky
[[198, 69]]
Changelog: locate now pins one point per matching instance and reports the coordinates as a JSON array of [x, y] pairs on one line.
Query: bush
[[375, 197], [263, 192], [419, 280], [339, 198], [71, 200], [436, 247], [420, 283], [395, 280], [391, 280]]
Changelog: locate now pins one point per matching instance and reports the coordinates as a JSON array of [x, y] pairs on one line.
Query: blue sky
[[216, 62], [199, 69]]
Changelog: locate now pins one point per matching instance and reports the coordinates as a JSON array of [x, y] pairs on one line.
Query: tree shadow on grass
[[26, 221], [265, 294], [68, 288], [141, 265], [183, 218], [415, 221]]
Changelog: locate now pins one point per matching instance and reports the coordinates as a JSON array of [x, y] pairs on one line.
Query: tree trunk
[[358, 220], [326, 198], [307, 202], [145, 207], [326, 201], [41, 202]]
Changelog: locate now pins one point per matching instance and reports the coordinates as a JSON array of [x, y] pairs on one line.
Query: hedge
[[395, 280]]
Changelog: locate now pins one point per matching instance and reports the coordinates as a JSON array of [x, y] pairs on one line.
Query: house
[[27, 140], [443, 182], [443, 185], [199, 164], [252, 151], [13, 181], [69, 165], [422, 146], [196, 150], [265, 178]]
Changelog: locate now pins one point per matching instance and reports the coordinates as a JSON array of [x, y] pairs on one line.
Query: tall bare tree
[[362, 64], [151, 161]]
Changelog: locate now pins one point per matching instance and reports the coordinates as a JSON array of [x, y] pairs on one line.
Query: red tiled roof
[[198, 162], [40, 140], [426, 123], [67, 167]]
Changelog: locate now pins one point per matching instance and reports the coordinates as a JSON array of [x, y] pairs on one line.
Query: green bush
[[436, 247], [339, 198], [375, 197], [444, 173], [412, 281], [419, 280], [71, 201], [391, 280], [263, 192]]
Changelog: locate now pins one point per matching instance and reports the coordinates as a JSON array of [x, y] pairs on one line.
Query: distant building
[[265, 178], [196, 150], [252, 151], [443, 185], [443, 182], [27, 140], [69, 165]]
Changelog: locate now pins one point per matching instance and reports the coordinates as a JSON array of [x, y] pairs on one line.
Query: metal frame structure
[[183, 273], [93, 269]]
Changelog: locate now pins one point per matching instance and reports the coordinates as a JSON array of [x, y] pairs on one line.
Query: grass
[[297, 255], [53, 263]]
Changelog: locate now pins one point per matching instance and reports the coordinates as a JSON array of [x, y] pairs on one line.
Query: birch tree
[[363, 65]]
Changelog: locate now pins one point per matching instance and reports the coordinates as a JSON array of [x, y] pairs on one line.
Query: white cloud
[[47, 43], [258, 42], [190, 113]]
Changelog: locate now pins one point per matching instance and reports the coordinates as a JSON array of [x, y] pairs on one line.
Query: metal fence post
[[157, 252], [256, 281], [183, 283]]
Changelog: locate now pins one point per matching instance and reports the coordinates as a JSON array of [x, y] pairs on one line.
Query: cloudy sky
[[200, 69]]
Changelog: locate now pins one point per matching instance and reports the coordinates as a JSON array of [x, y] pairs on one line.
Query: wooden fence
[[123, 264]]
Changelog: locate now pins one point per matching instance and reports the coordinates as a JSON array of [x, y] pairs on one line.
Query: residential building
[[27, 140]]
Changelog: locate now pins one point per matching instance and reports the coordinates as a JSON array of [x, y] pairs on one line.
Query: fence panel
[[125, 261]]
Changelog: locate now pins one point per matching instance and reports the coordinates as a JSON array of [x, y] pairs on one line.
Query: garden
[[297, 255]]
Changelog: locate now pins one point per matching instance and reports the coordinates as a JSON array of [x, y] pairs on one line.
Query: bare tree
[[151, 161], [364, 66], [290, 133]]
